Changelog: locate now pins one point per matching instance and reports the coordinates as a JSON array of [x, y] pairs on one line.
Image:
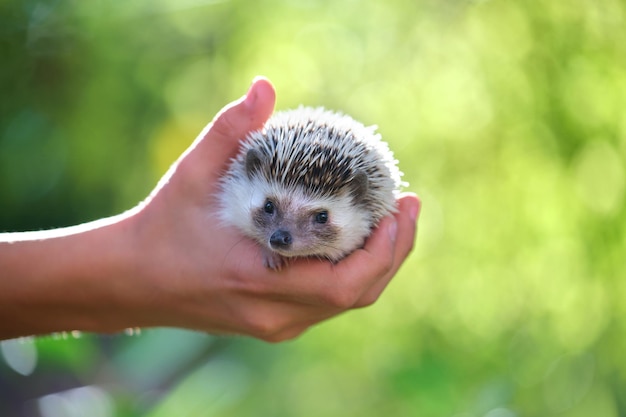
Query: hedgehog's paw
[[272, 260]]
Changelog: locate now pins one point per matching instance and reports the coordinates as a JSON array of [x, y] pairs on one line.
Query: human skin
[[168, 261]]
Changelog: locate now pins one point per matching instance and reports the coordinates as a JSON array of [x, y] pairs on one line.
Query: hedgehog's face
[[294, 231], [291, 223]]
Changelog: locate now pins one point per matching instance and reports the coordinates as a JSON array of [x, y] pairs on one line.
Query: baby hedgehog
[[310, 183]]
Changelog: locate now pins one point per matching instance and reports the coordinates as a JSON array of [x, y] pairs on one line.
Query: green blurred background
[[508, 118]]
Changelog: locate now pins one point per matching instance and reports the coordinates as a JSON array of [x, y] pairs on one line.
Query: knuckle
[[225, 126], [343, 298], [262, 326], [263, 330], [285, 335], [385, 265], [367, 300]]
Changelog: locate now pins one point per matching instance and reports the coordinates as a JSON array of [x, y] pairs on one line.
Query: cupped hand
[[196, 273]]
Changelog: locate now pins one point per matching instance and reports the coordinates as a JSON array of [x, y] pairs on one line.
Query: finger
[[334, 286], [353, 281], [274, 320], [409, 207], [248, 113], [220, 139], [365, 268]]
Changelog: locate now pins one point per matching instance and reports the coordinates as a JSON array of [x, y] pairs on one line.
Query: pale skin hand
[[169, 263]]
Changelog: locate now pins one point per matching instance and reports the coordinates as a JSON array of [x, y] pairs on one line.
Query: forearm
[[76, 278]]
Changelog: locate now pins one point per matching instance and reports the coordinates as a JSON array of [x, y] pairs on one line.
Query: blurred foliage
[[508, 118]]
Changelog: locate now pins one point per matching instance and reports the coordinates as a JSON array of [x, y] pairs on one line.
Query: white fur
[[240, 196]]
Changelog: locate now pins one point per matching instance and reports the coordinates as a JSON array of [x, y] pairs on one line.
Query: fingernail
[[393, 230], [414, 211], [251, 94]]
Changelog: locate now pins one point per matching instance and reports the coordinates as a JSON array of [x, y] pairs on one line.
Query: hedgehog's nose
[[281, 239]]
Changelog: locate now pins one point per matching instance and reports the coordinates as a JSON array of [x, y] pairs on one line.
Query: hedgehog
[[311, 183]]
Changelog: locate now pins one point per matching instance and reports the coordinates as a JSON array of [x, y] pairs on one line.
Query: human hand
[[168, 262], [199, 274]]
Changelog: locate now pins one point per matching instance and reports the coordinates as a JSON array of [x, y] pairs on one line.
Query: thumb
[[219, 140]]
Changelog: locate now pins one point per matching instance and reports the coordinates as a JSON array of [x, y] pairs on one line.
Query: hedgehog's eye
[[269, 207], [321, 217]]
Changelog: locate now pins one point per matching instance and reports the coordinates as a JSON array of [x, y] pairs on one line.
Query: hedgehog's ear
[[253, 162], [359, 185]]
